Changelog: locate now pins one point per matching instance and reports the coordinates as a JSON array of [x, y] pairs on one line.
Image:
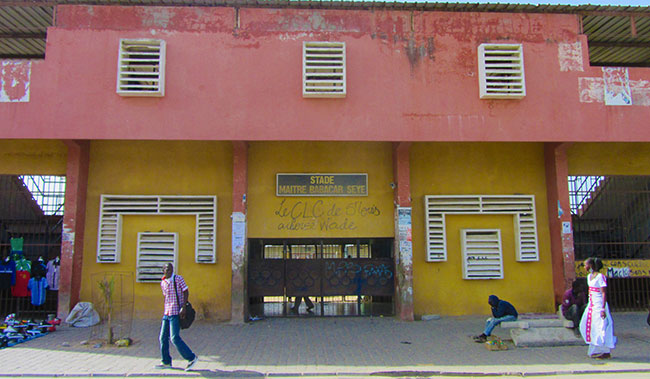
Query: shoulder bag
[[190, 313]]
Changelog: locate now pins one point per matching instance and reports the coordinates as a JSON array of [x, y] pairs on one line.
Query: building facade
[[420, 156]]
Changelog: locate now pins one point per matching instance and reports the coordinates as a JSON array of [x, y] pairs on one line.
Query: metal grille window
[[613, 222], [323, 69], [501, 71], [581, 189], [482, 254], [48, 191], [154, 251], [141, 67]]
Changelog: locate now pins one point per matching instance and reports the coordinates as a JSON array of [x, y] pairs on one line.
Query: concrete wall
[[411, 76], [609, 159], [492, 169], [32, 157], [271, 216], [163, 168]]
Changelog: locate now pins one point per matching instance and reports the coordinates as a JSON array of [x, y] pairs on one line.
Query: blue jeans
[[170, 324], [492, 322]]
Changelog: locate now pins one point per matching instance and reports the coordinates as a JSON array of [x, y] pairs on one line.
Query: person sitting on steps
[[502, 311]]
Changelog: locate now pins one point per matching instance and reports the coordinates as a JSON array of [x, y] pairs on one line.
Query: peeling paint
[[617, 86], [67, 236], [15, 79], [158, 17], [569, 55], [592, 90]]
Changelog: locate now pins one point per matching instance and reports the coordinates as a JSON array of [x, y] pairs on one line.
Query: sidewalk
[[315, 346]]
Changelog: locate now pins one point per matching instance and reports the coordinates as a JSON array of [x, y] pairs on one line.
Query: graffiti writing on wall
[[316, 215], [619, 268]]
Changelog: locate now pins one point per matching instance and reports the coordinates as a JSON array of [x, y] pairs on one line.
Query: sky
[[643, 3]]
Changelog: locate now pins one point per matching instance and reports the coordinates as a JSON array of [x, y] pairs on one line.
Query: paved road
[[344, 347]]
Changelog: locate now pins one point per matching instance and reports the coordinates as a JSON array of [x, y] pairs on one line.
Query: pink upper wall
[[411, 76]]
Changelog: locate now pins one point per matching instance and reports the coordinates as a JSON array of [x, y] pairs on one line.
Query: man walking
[[176, 293], [502, 311]]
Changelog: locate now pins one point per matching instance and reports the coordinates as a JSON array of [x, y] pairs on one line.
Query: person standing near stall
[[597, 326]]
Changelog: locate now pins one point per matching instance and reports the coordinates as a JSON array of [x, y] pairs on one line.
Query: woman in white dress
[[596, 325]]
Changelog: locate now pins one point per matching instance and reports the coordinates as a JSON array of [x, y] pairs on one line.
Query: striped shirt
[[171, 304]]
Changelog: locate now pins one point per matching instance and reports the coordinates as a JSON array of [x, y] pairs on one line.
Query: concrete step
[[538, 337], [537, 323]]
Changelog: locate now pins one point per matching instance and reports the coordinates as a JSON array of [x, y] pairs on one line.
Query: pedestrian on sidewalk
[[501, 311], [597, 326], [574, 303], [173, 286]]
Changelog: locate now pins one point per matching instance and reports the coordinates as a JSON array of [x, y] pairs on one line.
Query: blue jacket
[[504, 308]]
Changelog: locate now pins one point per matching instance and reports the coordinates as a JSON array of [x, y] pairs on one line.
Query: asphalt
[[327, 347]]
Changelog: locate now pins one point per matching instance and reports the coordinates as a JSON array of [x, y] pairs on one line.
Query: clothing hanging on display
[[7, 273], [38, 269], [20, 288], [23, 268], [17, 244], [37, 287], [52, 275]]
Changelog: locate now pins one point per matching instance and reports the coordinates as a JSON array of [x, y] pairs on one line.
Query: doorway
[[340, 277]]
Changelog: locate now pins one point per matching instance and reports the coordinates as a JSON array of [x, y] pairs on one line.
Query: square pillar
[[238, 299], [403, 243], [74, 218], [559, 217]]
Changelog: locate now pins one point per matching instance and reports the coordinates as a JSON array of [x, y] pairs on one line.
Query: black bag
[[190, 313]]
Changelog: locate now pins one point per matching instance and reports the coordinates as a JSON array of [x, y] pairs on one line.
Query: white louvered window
[[113, 207], [482, 257], [155, 249], [501, 71], [323, 69], [522, 207], [141, 67]]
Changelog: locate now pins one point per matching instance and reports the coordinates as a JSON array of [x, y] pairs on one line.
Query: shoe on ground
[[192, 363], [480, 338], [163, 365], [294, 310]]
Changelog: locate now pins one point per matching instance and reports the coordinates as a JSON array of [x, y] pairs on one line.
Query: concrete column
[[239, 188], [403, 244], [74, 218], [559, 217]]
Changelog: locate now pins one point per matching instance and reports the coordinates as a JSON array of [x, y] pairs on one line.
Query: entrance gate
[[345, 277]]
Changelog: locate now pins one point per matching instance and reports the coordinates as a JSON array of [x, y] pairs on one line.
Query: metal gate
[[611, 221], [31, 210], [346, 277]]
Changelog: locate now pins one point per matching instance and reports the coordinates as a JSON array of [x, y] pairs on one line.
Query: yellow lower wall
[[486, 168], [363, 216], [32, 157], [609, 159], [163, 168]]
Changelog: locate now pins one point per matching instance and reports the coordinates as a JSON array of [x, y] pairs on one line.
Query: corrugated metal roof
[[618, 35]]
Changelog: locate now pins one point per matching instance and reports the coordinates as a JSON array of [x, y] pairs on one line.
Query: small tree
[[107, 288]]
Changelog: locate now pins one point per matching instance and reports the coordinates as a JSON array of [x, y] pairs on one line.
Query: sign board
[[321, 184], [619, 268]]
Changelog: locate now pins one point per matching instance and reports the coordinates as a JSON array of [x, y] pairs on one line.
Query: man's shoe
[[163, 365], [192, 363], [294, 310], [480, 338]]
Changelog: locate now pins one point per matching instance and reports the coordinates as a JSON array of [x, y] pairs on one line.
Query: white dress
[[598, 332]]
